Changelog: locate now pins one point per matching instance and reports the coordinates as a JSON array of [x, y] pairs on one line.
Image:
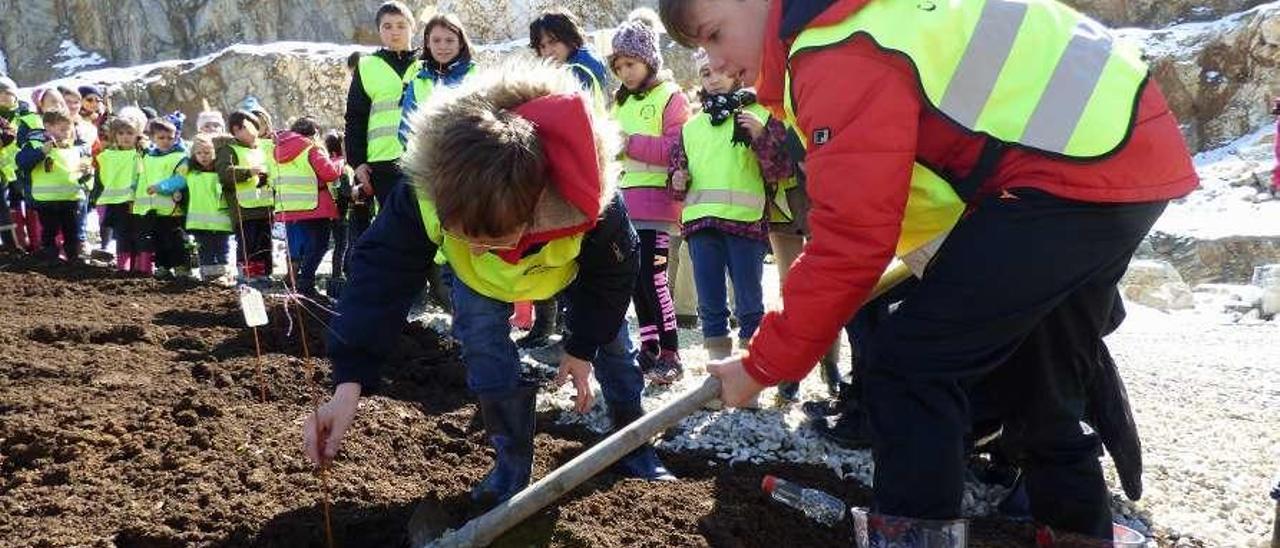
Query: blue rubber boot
[[642, 463], [509, 423]]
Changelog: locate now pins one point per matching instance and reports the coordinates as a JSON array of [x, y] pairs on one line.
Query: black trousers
[[60, 218], [123, 224], [253, 241], [165, 237], [1019, 298]]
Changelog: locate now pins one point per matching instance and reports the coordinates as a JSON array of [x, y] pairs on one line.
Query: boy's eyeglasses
[[487, 246]]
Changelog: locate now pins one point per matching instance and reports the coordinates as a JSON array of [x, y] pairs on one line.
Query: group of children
[[161, 198], [509, 181]]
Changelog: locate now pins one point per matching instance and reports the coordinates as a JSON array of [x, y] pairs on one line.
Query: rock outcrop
[[1223, 260], [1156, 284], [1219, 77], [1160, 13]]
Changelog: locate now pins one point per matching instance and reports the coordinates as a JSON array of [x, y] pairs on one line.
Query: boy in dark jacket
[[511, 184], [373, 101]]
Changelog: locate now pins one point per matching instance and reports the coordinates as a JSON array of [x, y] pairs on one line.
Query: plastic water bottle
[[817, 505]]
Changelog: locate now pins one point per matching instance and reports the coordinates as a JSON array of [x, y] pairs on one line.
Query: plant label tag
[[255, 310]]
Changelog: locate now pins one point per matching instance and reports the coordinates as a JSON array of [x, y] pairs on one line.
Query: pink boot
[[143, 262], [124, 262], [35, 232], [523, 317]]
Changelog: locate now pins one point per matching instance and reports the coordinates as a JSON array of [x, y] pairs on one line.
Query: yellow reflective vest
[[207, 209], [297, 187], [643, 116], [1032, 72], [248, 193], [156, 169], [118, 171], [56, 179], [385, 89], [725, 181], [535, 277]]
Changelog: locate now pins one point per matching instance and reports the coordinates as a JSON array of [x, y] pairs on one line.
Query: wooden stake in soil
[[309, 371]]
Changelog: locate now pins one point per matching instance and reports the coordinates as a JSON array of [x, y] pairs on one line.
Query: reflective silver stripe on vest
[[287, 197], [725, 197], [209, 218], [917, 260], [248, 195], [983, 60], [113, 193], [387, 131], [41, 189], [1078, 72], [636, 166], [295, 180], [383, 106]]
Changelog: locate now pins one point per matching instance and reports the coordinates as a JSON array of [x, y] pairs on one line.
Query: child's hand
[[177, 196], [322, 432], [753, 123], [680, 180], [363, 172], [153, 189], [580, 372]]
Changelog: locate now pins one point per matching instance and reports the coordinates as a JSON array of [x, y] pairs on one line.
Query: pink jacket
[[289, 146], [656, 204], [1275, 174]]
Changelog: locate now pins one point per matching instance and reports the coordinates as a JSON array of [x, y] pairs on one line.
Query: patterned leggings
[[655, 311]]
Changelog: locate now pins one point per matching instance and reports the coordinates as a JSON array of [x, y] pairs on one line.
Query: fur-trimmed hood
[[551, 98]]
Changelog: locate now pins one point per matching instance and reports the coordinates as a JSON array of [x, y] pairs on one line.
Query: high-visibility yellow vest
[[57, 178], [1032, 72], [535, 277], [780, 207], [385, 89], [118, 170], [154, 170], [9, 153], [643, 116], [725, 181], [9, 162], [248, 193], [424, 87], [206, 207], [297, 187], [597, 87]]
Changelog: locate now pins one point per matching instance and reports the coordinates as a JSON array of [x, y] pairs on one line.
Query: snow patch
[[74, 59], [1231, 200]]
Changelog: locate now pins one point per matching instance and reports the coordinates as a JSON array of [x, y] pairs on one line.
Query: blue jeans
[[308, 242], [482, 325], [713, 253]]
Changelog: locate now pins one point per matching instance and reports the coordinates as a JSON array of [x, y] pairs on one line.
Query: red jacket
[[289, 146], [879, 124]]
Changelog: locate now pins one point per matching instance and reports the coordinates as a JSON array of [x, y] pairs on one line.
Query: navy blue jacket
[[388, 269]]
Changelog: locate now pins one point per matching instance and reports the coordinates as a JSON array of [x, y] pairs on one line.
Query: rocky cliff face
[[1216, 59]]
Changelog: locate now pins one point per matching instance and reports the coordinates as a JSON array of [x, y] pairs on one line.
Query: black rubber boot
[[508, 423]]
